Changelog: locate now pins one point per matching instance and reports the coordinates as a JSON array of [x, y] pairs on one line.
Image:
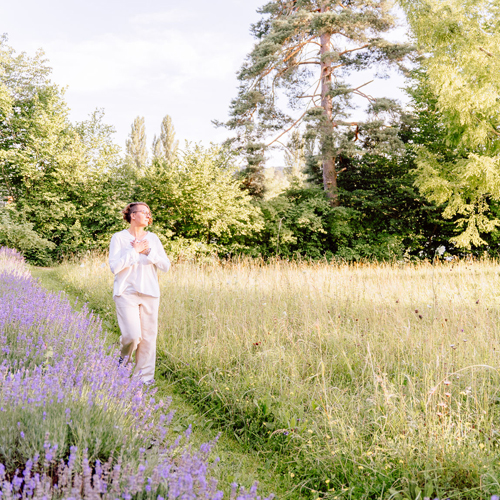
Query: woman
[[134, 257]]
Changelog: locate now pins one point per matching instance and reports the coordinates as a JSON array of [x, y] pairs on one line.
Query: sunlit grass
[[369, 377]]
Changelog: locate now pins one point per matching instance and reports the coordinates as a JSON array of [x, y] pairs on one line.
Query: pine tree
[[305, 48], [137, 151], [167, 139], [461, 39]]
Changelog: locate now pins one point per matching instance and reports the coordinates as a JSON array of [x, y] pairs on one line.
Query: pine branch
[[288, 129], [354, 50]]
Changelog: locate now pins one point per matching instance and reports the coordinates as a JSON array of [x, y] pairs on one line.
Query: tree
[[305, 48], [198, 198], [20, 235], [295, 159], [5, 99], [63, 181], [167, 139], [157, 149], [137, 151], [461, 39]]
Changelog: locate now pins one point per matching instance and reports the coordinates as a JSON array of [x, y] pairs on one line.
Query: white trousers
[[138, 320]]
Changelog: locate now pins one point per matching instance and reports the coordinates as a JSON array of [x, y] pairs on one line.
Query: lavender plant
[[74, 424]]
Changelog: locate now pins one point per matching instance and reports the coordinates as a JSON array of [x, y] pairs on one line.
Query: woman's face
[[140, 216]]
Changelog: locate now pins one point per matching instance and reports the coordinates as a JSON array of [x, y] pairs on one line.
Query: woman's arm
[[121, 257], [157, 255]]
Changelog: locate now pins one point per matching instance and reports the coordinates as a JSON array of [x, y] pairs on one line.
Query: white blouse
[[135, 272]]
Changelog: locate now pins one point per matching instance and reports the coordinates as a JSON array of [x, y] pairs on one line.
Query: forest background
[[404, 182]]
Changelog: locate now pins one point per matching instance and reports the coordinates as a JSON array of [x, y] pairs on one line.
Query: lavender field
[[74, 424]]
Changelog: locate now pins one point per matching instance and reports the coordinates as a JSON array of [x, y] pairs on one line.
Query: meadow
[[354, 381], [73, 423]]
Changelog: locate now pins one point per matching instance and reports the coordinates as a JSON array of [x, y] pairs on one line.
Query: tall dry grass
[[365, 380]]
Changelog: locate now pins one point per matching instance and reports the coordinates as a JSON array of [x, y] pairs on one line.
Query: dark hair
[[128, 210]]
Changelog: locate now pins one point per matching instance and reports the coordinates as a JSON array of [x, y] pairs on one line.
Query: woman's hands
[[141, 246]]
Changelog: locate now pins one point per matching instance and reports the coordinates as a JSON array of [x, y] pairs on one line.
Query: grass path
[[237, 464]]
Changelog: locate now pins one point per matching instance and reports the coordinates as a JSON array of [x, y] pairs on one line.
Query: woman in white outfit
[[134, 257]]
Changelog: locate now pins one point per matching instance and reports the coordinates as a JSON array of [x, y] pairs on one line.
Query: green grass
[[346, 381], [236, 463]]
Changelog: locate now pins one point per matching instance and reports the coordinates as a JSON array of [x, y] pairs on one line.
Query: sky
[[146, 58]]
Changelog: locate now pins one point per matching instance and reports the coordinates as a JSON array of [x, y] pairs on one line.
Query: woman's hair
[[131, 207]]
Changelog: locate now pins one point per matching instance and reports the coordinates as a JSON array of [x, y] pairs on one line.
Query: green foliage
[[302, 223], [167, 138], [461, 38], [382, 214], [20, 235], [137, 151], [64, 181], [197, 198], [67, 183]]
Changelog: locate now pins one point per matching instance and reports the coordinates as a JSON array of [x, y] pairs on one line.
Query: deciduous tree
[[198, 198], [137, 150], [461, 40], [167, 139], [63, 181]]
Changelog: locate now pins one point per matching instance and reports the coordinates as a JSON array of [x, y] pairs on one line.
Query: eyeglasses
[[147, 214]]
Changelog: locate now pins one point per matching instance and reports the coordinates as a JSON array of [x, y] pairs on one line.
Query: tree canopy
[[306, 49], [461, 40]]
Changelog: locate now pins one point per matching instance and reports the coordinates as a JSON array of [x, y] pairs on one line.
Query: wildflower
[[446, 382]]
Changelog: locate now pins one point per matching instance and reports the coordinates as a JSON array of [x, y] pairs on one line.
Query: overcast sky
[[145, 58]]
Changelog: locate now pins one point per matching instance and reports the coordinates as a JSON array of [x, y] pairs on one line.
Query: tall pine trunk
[[329, 171]]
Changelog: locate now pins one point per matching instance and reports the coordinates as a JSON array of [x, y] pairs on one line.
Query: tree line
[[402, 181]]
